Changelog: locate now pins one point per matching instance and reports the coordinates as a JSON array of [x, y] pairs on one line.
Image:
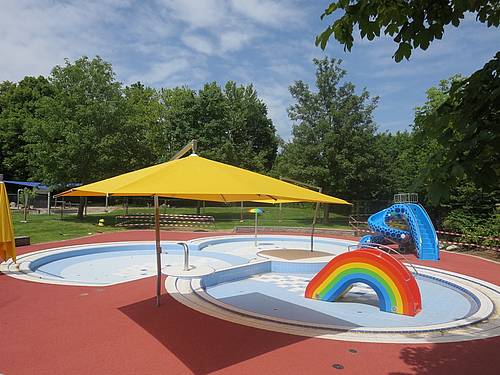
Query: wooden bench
[[166, 220]]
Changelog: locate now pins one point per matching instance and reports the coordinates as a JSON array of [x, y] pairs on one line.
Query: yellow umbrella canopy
[[195, 177], [7, 242]]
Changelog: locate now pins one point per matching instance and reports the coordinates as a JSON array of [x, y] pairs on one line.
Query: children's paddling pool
[[257, 285]]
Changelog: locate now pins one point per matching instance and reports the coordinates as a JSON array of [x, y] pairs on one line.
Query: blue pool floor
[[282, 295], [118, 266]]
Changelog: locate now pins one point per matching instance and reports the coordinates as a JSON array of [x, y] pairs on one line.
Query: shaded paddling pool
[[263, 283]]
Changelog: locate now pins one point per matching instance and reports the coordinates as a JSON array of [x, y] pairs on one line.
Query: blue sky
[[164, 43]]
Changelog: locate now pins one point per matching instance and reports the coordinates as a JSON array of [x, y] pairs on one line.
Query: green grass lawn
[[44, 228]]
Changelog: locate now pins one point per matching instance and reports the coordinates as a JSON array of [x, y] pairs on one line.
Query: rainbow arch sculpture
[[395, 285]]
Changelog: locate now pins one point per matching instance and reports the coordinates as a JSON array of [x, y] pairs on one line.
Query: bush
[[473, 227]]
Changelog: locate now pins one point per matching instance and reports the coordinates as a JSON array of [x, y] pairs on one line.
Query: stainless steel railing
[[186, 255], [389, 249]]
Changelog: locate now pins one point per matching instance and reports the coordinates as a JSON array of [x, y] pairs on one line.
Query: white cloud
[[269, 13], [37, 35], [161, 72], [231, 24], [188, 42], [277, 99], [198, 43], [234, 40], [197, 14]]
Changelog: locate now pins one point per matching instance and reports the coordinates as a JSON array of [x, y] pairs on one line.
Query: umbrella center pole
[[158, 249], [314, 225]]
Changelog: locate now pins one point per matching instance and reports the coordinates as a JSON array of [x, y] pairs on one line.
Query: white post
[[48, 202], [25, 206], [255, 241], [18, 193], [106, 209]]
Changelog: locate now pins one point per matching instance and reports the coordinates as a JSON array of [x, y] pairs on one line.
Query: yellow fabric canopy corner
[[198, 178], [7, 241]]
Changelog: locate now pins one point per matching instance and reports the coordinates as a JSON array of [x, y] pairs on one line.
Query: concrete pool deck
[[52, 329]]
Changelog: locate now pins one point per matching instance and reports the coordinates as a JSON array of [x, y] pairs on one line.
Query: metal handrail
[[377, 246], [186, 255], [406, 198]]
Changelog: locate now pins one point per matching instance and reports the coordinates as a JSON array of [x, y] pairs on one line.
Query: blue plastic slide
[[420, 229]]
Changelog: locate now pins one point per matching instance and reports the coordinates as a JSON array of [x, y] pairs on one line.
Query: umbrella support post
[[158, 250], [314, 225]]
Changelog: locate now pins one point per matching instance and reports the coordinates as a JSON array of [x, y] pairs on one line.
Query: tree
[[463, 124], [231, 124], [142, 113], [19, 110], [252, 134], [464, 128], [411, 24], [80, 137], [399, 163], [333, 135], [425, 144]]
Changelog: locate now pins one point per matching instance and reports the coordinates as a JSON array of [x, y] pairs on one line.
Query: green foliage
[[399, 163], [79, 136], [476, 229], [231, 124], [333, 135], [411, 24], [27, 196], [81, 125], [141, 114], [425, 145], [461, 123], [19, 111]]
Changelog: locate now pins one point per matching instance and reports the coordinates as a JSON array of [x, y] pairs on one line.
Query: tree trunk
[[81, 207], [326, 213]]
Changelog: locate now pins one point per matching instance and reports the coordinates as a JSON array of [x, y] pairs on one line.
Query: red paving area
[[51, 329]]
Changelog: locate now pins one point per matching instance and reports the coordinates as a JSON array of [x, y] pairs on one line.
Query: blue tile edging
[[245, 271]]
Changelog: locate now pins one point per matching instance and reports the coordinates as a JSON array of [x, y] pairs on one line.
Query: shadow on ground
[[201, 342], [457, 358]]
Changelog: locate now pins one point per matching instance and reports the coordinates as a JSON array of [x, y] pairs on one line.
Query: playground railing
[[406, 198], [387, 248]]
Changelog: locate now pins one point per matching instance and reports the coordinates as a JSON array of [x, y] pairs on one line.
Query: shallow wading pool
[[248, 285]]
